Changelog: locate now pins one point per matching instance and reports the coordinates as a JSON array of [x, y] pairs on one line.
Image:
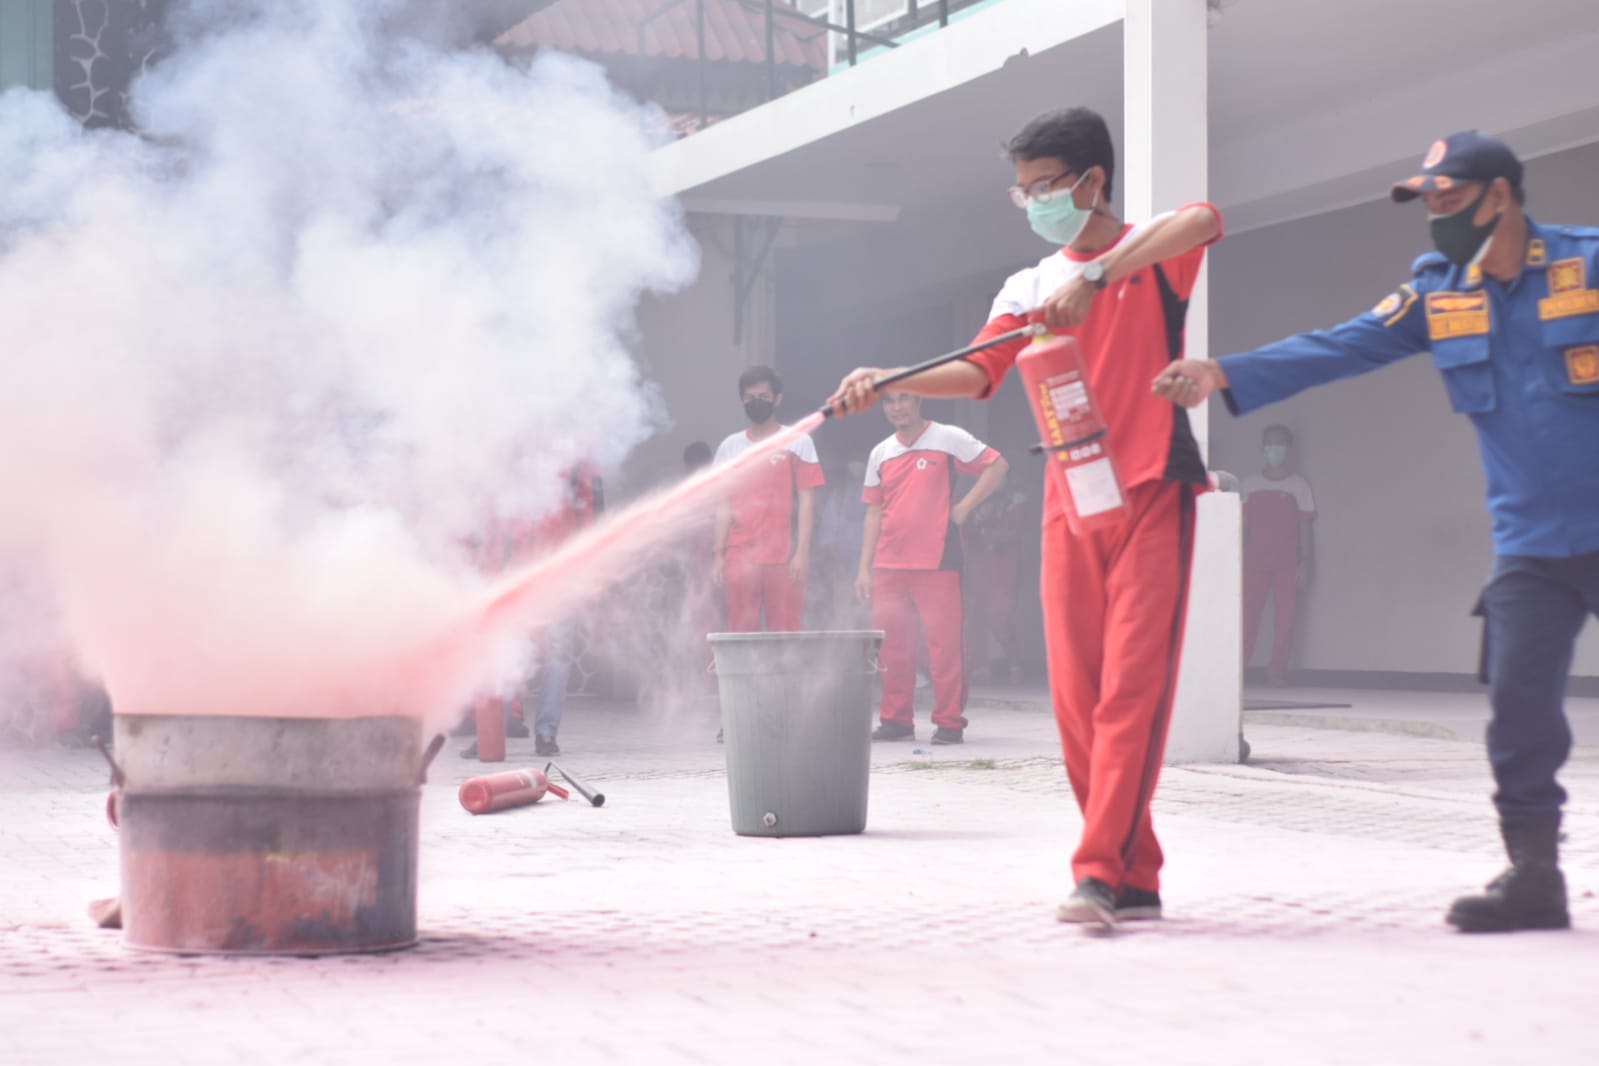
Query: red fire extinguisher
[[513, 788], [1075, 436]]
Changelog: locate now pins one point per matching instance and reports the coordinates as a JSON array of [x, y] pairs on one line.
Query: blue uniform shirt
[[1520, 359]]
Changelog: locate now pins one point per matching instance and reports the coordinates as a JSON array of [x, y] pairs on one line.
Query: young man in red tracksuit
[[764, 527], [1114, 598], [911, 559]]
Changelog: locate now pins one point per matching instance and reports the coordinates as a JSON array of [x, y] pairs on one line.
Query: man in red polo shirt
[[764, 526], [1114, 597], [911, 559]]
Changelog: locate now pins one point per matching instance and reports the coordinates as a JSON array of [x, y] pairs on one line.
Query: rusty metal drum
[[272, 836]]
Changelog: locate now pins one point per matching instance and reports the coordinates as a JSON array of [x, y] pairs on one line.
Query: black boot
[[1529, 895]]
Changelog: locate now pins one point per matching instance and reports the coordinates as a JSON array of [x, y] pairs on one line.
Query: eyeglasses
[[1040, 191]]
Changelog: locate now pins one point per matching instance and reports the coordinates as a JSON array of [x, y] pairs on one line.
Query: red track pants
[[1114, 604], [1278, 582], [752, 588], [901, 598]]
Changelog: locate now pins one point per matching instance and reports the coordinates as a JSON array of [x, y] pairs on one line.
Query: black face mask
[[758, 410], [1457, 237]]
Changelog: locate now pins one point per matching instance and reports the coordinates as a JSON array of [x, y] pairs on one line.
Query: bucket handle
[[428, 755]]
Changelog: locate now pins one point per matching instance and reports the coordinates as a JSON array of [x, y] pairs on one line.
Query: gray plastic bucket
[[797, 714]]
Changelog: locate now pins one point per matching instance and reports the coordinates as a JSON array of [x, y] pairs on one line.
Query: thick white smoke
[[265, 365]]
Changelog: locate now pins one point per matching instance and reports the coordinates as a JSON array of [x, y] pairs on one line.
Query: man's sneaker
[[894, 731], [945, 735], [1137, 905], [470, 751], [1090, 902], [545, 746], [516, 729]]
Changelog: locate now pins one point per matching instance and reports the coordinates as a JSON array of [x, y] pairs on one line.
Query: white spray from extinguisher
[[1075, 436]]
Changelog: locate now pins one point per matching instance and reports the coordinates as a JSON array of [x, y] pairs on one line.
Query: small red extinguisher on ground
[[1075, 436], [513, 788]]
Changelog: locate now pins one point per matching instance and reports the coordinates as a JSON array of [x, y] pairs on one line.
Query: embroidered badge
[[1568, 291], [1582, 364], [1392, 308], [1567, 275], [1456, 314]]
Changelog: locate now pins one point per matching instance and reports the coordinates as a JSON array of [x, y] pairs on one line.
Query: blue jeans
[[1533, 610], [552, 660]]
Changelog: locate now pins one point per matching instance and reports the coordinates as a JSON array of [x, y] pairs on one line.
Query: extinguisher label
[[1094, 487], [1069, 398]]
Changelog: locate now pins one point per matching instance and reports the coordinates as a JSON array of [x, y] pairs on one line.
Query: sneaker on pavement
[[1092, 901], [516, 729], [946, 735], [470, 751], [545, 746], [894, 731], [1137, 905]]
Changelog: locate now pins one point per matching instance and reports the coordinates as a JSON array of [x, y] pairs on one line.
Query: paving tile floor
[[1304, 896]]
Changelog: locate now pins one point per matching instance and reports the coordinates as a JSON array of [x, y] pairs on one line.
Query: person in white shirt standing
[[1279, 510], [911, 559]]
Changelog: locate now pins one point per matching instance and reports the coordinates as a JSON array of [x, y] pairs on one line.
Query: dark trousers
[[1533, 611]]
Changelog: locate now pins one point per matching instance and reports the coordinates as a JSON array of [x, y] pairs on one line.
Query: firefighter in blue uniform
[[1509, 310]]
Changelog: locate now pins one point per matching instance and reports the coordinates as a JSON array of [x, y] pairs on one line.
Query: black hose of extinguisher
[[1030, 330], [1040, 448], [584, 789]]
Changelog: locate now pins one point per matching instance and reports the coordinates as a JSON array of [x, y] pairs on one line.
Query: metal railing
[[919, 14]]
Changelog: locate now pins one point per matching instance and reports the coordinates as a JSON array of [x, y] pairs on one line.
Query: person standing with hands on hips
[[1509, 309], [911, 560], [1114, 597]]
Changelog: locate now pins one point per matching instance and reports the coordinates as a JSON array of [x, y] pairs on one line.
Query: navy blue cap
[[1461, 157]]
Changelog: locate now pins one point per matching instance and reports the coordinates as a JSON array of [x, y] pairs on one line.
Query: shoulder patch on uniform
[[1392, 308]]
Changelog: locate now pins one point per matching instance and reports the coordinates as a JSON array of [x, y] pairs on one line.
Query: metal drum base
[[255, 871]]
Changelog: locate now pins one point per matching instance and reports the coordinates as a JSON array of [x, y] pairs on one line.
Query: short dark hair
[[1277, 427], [757, 375], [1077, 137], [697, 455]]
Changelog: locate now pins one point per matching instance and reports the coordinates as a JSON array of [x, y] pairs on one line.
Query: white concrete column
[[1166, 136], [1165, 163]]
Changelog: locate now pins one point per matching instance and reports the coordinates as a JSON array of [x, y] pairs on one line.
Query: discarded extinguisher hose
[[583, 788]]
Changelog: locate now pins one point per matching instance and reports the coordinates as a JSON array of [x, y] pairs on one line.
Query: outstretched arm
[[1395, 329]]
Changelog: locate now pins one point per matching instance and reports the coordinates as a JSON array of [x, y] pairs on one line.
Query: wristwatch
[[1094, 274]]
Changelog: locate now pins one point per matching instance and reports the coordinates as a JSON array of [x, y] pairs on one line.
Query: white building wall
[[688, 354], [1402, 537]]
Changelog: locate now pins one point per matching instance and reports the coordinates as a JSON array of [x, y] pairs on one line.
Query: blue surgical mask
[[1059, 220], [1276, 454]]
